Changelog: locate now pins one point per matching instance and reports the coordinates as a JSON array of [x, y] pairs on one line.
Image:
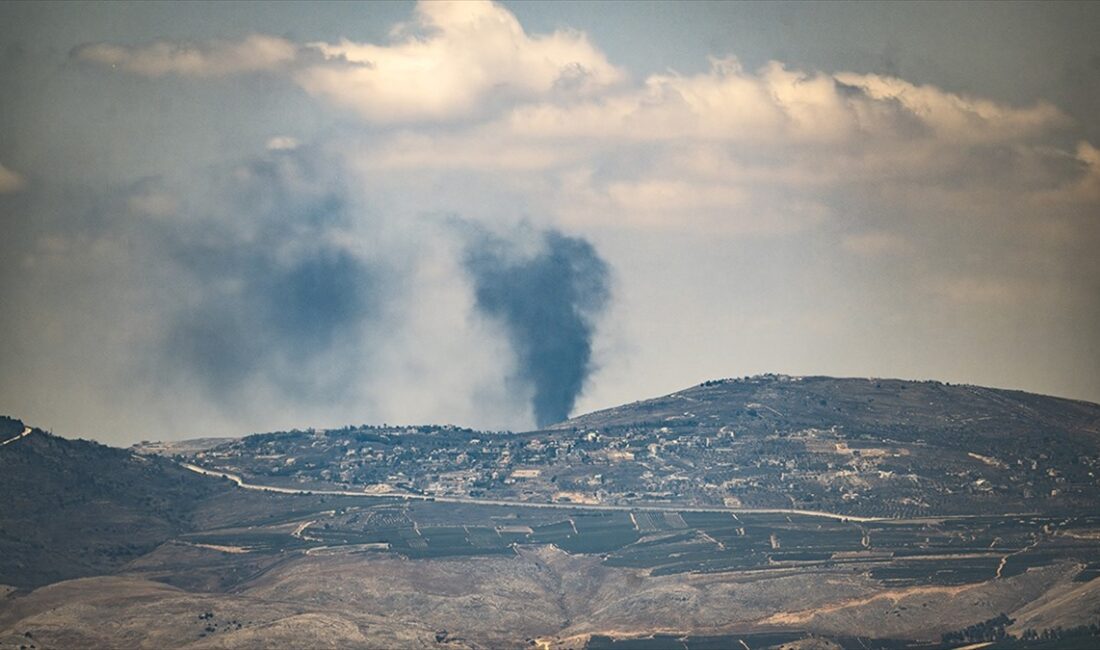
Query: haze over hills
[[854, 446], [766, 510], [472, 225]]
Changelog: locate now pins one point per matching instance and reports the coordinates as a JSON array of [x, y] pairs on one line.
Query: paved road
[[526, 504], [26, 432], [551, 506]]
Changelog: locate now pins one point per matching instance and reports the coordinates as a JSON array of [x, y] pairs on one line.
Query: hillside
[[889, 447], [755, 512], [929, 410], [77, 508], [870, 448]]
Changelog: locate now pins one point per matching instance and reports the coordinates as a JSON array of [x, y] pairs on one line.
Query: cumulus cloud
[[452, 61], [776, 190], [1087, 186], [531, 93], [741, 152], [11, 181], [215, 59], [954, 116], [783, 106], [454, 58], [548, 121]]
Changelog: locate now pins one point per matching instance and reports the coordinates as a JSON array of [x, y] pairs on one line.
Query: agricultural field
[[894, 553], [865, 448], [798, 512]]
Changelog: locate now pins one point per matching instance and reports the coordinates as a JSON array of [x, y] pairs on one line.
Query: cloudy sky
[[227, 218]]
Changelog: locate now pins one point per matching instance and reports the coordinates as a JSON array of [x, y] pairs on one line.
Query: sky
[[228, 218]]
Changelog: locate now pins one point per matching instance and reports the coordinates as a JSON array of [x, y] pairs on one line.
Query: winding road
[[26, 432], [526, 504]]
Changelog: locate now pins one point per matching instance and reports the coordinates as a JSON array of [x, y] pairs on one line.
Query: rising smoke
[[265, 294], [548, 302], [277, 289]]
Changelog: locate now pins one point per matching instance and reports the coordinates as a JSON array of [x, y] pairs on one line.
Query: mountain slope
[[862, 406], [75, 508], [846, 447], [880, 444], [796, 507]]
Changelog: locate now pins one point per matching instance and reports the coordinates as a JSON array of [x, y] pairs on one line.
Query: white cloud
[[1087, 185], [954, 116], [216, 59], [474, 60], [726, 150], [753, 206], [780, 106], [453, 59], [11, 181], [547, 121]]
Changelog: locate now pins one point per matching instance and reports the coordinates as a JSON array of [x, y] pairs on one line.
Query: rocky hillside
[[75, 508]]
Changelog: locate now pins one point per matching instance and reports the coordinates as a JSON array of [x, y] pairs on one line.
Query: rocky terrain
[[760, 512], [873, 448]]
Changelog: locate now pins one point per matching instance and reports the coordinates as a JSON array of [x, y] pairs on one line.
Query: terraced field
[[793, 512], [895, 553]]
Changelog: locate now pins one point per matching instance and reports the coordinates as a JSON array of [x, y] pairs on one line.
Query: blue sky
[[225, 218]]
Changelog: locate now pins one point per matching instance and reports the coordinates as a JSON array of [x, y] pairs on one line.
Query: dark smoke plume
[[548, 302], [270, 295]]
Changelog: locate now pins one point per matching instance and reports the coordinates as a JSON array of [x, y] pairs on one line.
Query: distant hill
[[916, 409], [9, 427], [749, 512], [73, 508], [862, 447], [962, 447]]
